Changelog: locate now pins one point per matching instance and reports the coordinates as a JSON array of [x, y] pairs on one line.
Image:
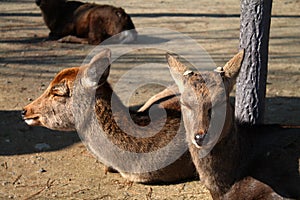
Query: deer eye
[[60, 90]]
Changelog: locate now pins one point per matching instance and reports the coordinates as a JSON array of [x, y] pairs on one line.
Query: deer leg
[[73, 39]]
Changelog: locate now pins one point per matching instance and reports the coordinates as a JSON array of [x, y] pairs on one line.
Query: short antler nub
[[188, 73], [220, 70]]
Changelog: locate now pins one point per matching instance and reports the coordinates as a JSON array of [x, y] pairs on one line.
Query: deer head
[[205, 97], [54, 108]]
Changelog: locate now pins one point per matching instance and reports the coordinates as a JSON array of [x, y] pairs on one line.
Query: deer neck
[[105, 115], [218, 170], [111, 113]]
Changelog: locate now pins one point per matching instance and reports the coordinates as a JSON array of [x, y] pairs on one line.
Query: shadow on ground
[[283, 110], [17, 138]]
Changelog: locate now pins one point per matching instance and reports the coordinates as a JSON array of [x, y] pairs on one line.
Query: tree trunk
[[251, 82]]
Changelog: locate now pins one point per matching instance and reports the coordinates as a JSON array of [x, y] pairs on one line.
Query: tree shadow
[[283, 110], [212, 15], [18, 138], [277, 158], [145, 39], [29, 40]]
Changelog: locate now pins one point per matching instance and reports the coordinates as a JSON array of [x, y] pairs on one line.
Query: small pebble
[[5, 183], [42, 170]]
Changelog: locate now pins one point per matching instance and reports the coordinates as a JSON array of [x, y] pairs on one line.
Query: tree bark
[[251, 82]]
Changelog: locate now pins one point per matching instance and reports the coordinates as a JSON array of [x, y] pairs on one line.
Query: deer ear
[[231, 70], [175, 64], [233, 66], [177, 70], [98, 69]]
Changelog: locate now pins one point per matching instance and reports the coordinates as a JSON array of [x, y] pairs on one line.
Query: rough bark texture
[[251, 82]]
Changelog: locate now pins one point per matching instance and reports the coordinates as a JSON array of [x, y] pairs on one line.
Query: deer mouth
[[32, 121]]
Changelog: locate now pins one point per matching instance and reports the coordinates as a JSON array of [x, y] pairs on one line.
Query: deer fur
[[247, 161], [78, 22], [53, 109]]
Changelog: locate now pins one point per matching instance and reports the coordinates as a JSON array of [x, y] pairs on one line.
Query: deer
[[54, 109], [86, 23], [245, 161]]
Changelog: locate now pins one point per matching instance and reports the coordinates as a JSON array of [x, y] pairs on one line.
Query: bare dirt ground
[[66, 170]]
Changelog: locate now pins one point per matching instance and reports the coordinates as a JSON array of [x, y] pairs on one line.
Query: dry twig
[[149, 194], [48, 185], [18, 178]]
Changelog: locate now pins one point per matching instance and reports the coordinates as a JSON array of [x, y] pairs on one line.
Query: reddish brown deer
[[54, 110], [78, 22], [247, 161]]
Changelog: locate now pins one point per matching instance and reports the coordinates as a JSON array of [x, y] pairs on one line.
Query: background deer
[[78, 22], [54, 110], [247, 161]]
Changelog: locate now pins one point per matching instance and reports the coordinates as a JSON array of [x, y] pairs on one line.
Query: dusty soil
[[65, 169]]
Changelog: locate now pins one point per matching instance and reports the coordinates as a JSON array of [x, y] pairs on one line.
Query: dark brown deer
[[245, 161], [54, 109], [78, 22]]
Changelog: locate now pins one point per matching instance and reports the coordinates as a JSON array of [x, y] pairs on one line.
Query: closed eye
[[60, 91], [60, 95]]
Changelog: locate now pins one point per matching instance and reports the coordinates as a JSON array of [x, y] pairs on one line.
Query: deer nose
[[199, 138], [23, 112]]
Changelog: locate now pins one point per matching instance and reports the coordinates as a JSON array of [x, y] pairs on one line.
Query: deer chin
[[58, 124], [196, 145], [201, 147], [39, 120], [206, 146]]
